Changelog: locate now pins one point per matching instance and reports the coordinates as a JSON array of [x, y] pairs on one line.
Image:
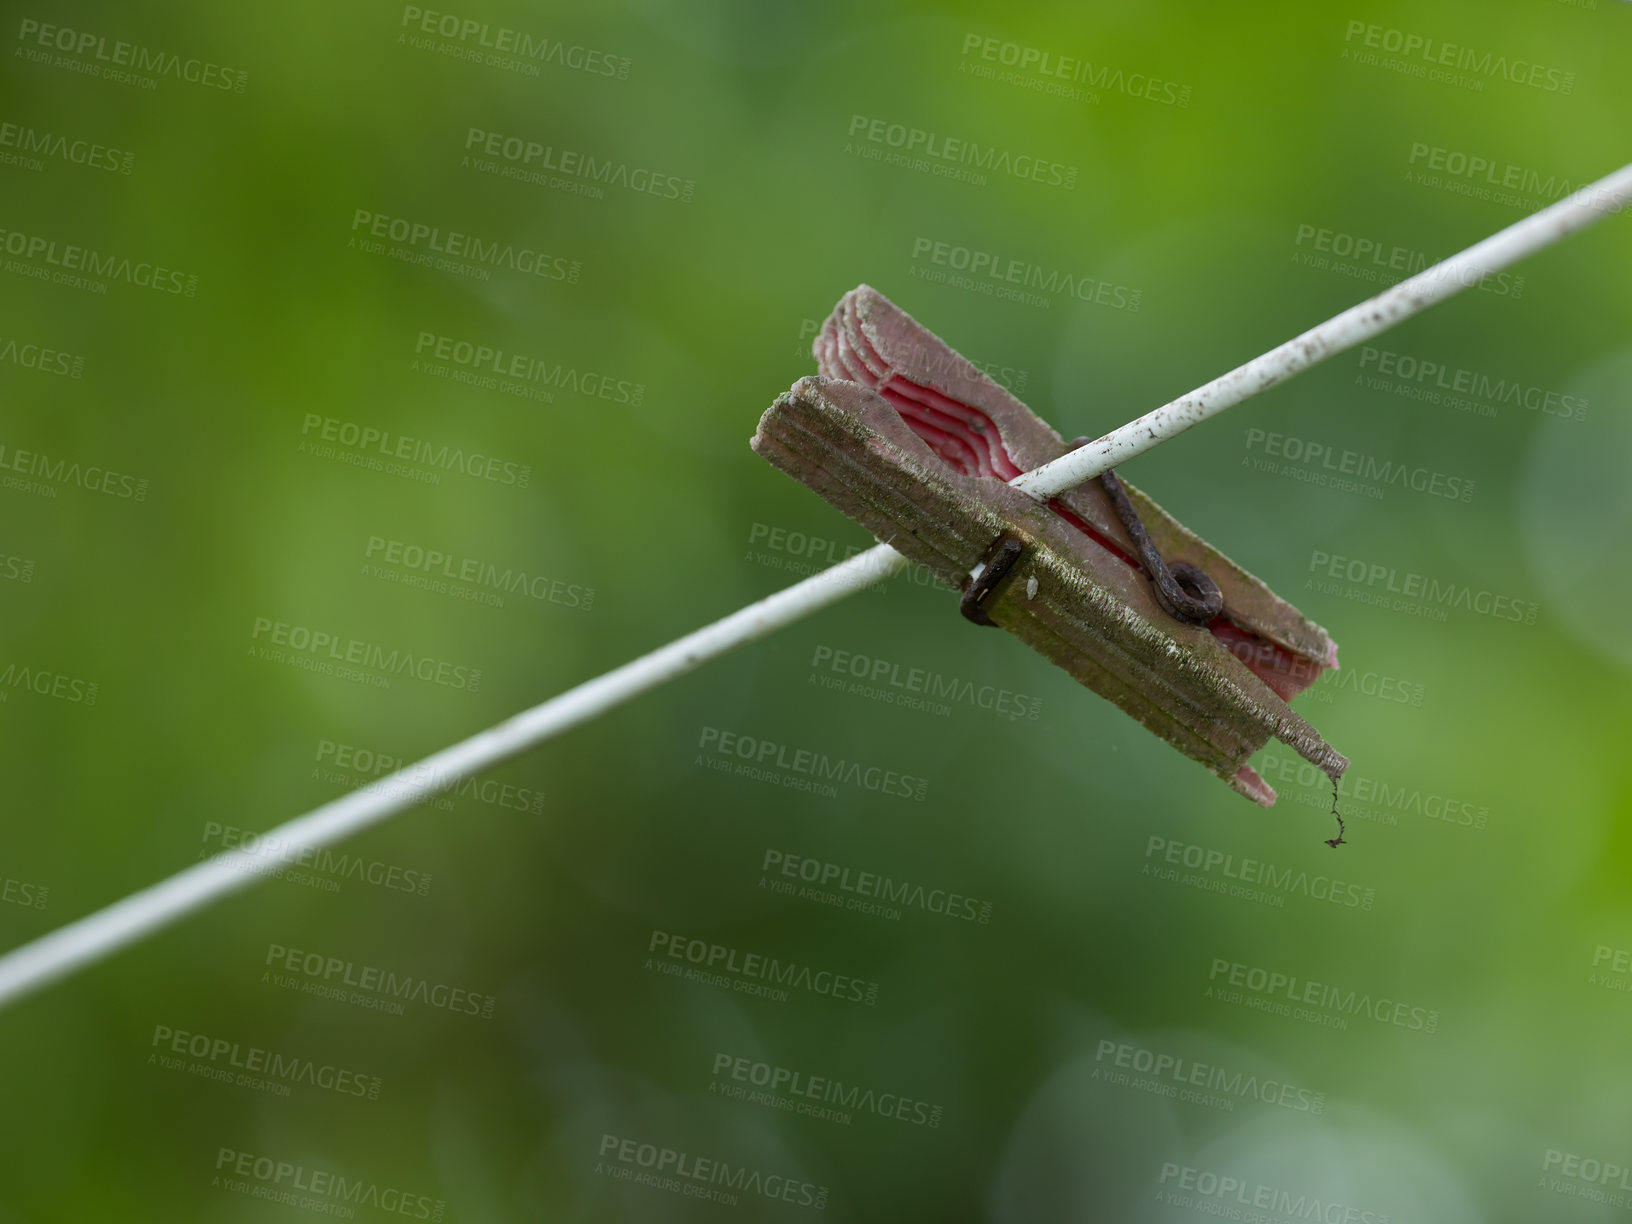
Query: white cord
[[1354, 326], [102, 933]]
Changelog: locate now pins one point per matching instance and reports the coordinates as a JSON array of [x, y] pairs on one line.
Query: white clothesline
[[89, 939]]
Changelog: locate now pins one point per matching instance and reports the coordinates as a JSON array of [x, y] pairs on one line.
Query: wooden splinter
[[918, 445]]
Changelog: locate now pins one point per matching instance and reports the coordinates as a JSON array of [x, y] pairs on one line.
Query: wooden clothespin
[[917, 444]]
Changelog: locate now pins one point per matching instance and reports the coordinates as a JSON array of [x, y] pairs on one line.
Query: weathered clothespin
[[917, 444]]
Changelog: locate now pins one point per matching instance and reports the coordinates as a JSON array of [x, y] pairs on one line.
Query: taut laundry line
[[91, 938]]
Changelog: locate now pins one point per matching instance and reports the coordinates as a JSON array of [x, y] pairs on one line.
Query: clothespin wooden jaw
[[917, 444]]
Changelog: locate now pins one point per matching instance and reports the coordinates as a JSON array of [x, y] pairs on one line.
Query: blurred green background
[[1216, 155]]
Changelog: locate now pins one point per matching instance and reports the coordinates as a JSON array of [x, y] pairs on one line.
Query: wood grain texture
[[1091, 612]]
